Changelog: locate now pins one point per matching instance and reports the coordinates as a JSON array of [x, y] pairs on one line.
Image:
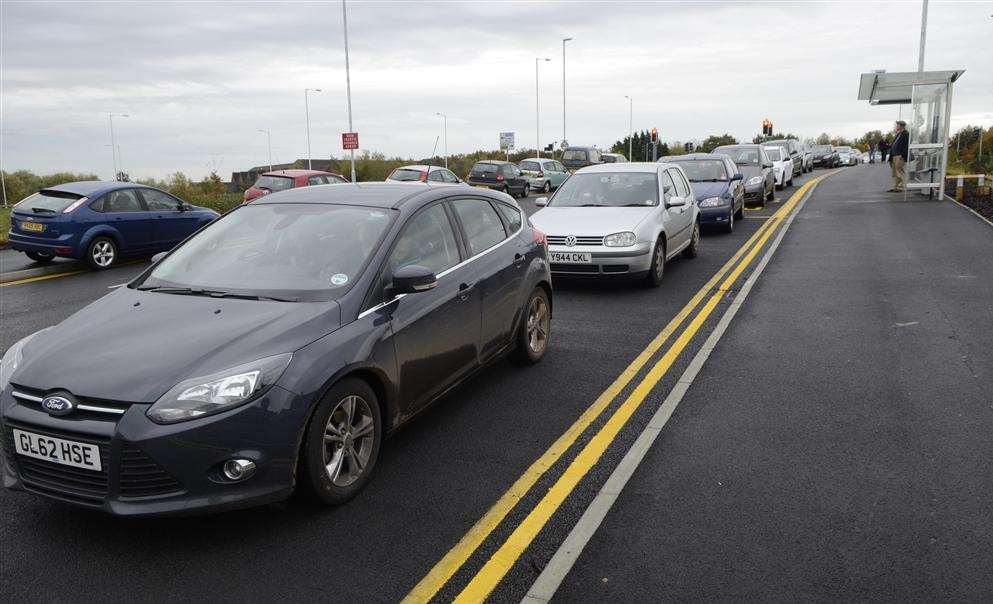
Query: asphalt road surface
[[834, 446]]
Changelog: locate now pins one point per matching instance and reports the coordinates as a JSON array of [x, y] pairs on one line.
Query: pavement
[[833, 446]]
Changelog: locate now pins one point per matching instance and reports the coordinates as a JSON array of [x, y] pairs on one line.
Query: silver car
[[620, 220], [543, 174]]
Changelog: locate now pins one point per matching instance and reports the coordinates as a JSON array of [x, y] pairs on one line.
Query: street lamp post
[[630, 124], [445, 118], [564, 40], [348, 82], [920, 56], [113, 145], [537, 106], [306, 108], [120, 158], [268, 138]]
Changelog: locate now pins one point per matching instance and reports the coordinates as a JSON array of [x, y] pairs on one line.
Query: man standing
[[883, 146], [898, 157], [872, 152]]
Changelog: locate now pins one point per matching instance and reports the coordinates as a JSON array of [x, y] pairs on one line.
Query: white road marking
[[906, 324], [568, 552]]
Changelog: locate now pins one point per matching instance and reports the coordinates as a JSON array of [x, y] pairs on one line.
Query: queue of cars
[[275, 348]]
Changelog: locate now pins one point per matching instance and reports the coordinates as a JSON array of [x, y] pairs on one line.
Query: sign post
[[507, 143]]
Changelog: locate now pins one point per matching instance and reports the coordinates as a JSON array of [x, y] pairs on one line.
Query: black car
[[825, 156], [575, 158], [276, 347], [756, 168], [499, 176]]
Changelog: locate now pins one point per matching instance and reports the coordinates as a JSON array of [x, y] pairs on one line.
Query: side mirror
[[738, 176], [412, 279], [766, 165], [159, 256], [541, 202], [675, 202]]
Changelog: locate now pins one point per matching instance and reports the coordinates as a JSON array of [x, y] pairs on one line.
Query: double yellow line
[[510, 551]]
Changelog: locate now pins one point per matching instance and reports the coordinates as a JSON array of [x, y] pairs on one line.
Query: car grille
[[560, 240], [575, 268], [142, 477], [88, 408], [78, 485]]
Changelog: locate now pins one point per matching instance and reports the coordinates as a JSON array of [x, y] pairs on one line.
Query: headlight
[[221, 391], [711, 202], [755, 180], [13, 357], [624, 239]]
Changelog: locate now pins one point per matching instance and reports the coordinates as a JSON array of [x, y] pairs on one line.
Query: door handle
[[518, 260], [464, 289]]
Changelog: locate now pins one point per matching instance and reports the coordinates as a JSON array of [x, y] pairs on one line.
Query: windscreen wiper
[[212, 293]]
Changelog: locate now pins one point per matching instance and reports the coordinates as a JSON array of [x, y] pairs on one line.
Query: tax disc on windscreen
[[339, 279]]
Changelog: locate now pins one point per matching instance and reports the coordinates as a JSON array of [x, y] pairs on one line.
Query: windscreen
[[406, 174], [47, 202], [608, 189], [574, 155], [743, 156], [312, 251], [705, 170], [822, 149], [274, 183]]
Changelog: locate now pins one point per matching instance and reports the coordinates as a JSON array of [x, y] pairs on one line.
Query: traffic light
[[549, 147], [766, 127], [688, 147], [655, 135]]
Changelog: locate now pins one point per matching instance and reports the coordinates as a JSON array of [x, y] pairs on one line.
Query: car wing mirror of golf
[[413, 279], [541, 202], [738, 176], [675, 201]]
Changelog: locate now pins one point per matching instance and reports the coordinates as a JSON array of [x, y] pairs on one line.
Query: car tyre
[[524, 191], [693, 249], [770, 196], [347, 416], [547, 187], [101, 253], [740, 214], [40, 257], [534, 329], [729, 227], [656, 272]]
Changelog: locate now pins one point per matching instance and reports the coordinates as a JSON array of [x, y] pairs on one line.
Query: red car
[[280, 180]]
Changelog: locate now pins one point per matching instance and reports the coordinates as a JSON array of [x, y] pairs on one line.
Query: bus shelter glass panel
[[928, 138]]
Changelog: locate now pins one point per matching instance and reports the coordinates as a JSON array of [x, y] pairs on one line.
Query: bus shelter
[[929, 94]]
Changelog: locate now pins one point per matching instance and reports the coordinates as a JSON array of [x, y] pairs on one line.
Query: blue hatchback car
[[718, 186], [100, 222]]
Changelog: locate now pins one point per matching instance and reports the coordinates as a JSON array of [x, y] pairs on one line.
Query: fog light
[[238, 469], [63, 250]]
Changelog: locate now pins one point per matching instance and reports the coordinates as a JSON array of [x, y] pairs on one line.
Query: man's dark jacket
[[899, 146]]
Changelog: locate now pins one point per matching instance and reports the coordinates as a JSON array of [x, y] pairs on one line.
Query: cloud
[[200, 78]]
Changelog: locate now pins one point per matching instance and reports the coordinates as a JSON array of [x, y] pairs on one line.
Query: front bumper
[[151, 469], [719, 215], [755, 193], [606, 262]]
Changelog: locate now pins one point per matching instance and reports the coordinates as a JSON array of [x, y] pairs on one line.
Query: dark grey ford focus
[[274, 348]]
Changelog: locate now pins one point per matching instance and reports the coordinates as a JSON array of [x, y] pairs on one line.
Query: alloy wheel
[[659, 261], [103, 253], [538, 324], [349, 439]]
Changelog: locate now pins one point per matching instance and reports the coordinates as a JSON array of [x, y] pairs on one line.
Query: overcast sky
[[200, 78]]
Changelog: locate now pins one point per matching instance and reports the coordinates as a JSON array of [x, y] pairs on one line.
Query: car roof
[[296, 172], [738, 145], [693, 156], [93, 187], [538, 159], [371, 194], [492, 161], [780, 140], [421, 167], [631, 166]]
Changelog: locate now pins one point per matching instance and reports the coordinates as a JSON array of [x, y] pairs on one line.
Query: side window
[[316, 180], [513, 216], [123, 200], [559, 166], [668, 187], [157, 201], [682, 189], [97, 206], [449, 177], [428, 240], [334, 180], [436, 176], [480, 223]]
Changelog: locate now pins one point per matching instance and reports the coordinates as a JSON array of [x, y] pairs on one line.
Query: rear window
[[574, 154], [531, 165], [48, 201], [743, 156], [406, 175], [274, 183], [484, 169], [704, 170]]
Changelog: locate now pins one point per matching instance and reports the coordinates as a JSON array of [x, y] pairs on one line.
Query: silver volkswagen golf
[[620, 220]]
